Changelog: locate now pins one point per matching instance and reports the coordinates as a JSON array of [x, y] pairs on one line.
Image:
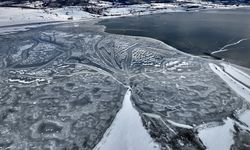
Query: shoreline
[[30, 15]]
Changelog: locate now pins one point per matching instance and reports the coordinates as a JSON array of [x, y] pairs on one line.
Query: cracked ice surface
[[127, 131], [62, 86]]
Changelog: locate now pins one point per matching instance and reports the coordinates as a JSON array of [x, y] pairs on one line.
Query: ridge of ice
[[180, 125], [238, 87], [237, 74]]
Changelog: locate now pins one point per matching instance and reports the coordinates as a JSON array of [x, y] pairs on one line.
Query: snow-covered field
[[29, 18], [12, 16]]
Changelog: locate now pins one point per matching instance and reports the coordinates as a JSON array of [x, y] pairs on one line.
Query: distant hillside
[[60, 3]]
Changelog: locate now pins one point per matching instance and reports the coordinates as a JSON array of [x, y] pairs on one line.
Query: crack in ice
[[127, 131], [223, 49]]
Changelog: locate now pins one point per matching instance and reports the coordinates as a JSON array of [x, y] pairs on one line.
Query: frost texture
[[62, 86]]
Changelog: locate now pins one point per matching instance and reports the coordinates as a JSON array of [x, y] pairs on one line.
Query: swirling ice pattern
[[61, 87]]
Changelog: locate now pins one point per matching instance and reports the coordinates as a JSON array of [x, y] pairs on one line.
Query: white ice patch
[[239, 88], [26, 82], [127, 131], [171, 63], [237, 74], [218, 138], [180, 125], [174, 65]]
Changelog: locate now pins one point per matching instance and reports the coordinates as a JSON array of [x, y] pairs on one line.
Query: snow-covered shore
[[13, 16], [17, 15]]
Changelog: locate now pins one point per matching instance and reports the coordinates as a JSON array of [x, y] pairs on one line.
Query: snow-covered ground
[[142, 9], [30, 18], [127, 131], [12, 16]]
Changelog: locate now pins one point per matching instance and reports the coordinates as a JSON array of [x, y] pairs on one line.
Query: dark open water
[[197, 33]]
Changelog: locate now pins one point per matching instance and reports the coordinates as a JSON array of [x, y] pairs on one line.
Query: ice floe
[[180, 125], [219, 137]]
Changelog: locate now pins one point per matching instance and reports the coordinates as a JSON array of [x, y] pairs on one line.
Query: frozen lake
[[64, 87]]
